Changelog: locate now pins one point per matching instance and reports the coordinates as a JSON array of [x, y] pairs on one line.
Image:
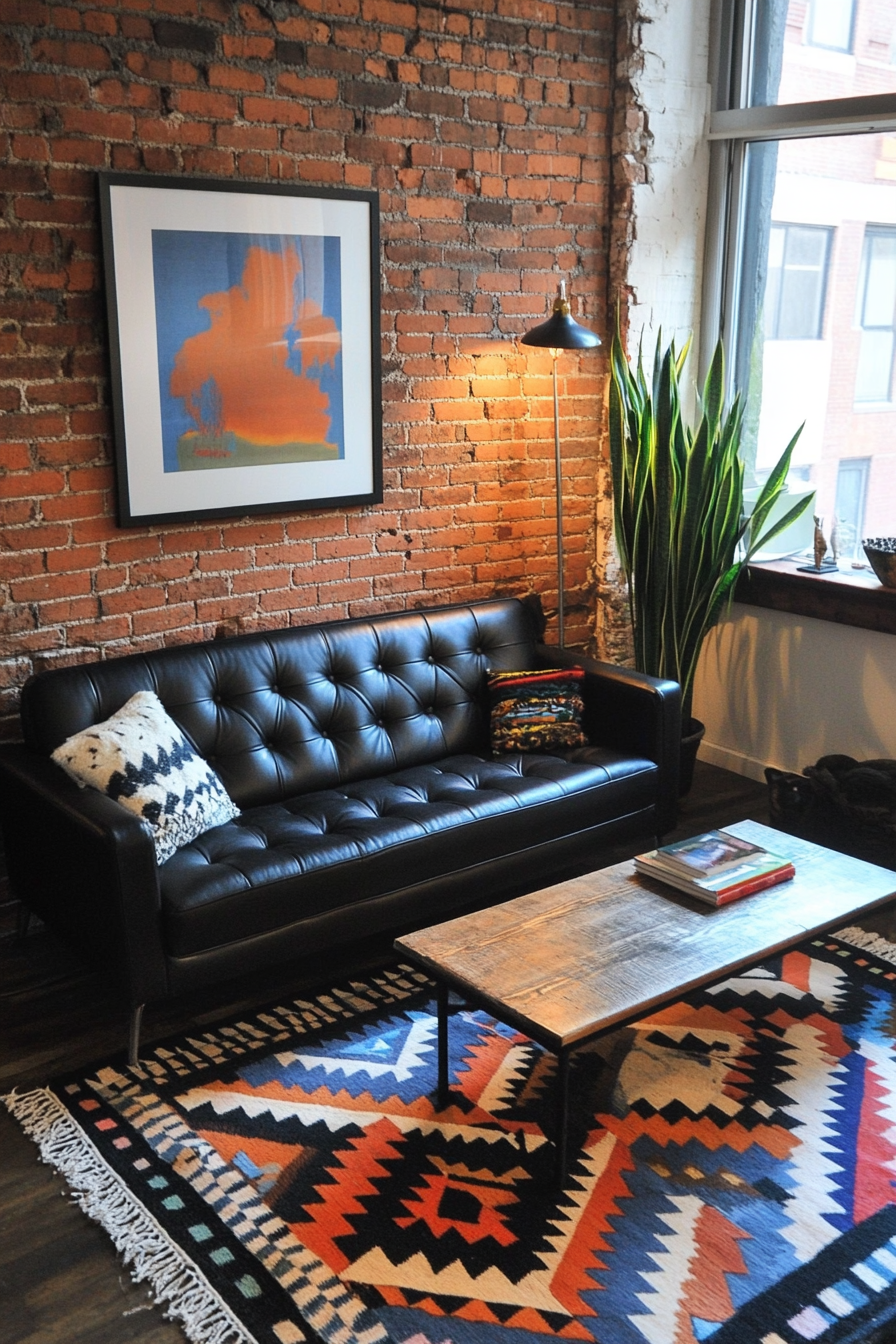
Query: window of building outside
[[876, 315], [852, 491], [804, 167], [829, 24], [797, 278]]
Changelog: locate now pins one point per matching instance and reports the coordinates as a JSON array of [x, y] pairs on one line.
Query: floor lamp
[[560, 332]]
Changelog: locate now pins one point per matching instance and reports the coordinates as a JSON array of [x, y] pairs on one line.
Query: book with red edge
[[753, 874]]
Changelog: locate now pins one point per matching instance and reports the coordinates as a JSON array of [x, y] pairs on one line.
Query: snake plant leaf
[[768, 496], [678, 500], [714, 387], [783, 522]]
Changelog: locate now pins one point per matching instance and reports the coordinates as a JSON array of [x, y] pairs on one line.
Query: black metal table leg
[[442, 1001], [443, 1094], [561, 1138]]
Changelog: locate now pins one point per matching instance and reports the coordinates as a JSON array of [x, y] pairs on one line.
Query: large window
[[801, 269]]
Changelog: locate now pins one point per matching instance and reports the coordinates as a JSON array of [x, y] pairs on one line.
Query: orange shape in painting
[[245, 353]]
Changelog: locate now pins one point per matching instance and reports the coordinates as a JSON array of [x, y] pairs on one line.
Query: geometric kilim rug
[[289, 1177]]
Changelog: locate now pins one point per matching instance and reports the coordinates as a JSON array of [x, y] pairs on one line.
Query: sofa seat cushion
[[277, 864]]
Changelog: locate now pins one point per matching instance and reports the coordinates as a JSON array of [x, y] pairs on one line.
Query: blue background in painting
[[186, 267]]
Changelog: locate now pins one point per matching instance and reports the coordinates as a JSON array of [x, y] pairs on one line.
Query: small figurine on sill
[[820, 548], [835, 538]]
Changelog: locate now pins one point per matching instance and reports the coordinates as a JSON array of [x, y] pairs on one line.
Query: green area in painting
[[203, 452]]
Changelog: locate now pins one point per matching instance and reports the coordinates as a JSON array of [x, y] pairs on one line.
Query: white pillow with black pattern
[[141, 758]]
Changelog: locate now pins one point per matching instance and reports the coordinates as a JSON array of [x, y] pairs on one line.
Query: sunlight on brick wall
[[485, 129]]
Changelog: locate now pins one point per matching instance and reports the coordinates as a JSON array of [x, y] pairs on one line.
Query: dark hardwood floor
[[60, 1278]]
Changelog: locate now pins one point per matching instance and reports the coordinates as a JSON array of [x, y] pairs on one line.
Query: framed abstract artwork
[[245, 346]]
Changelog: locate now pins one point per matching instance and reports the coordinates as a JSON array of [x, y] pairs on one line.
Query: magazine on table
[[707, 854], [723, 879]]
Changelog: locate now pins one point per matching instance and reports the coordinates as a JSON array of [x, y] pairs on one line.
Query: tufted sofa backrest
[[291, 711]]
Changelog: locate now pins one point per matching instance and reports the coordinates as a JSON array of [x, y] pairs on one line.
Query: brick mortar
[[492, 184]]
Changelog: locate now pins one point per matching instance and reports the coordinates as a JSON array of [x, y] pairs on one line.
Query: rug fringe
[[174, 1281], [874, 943]]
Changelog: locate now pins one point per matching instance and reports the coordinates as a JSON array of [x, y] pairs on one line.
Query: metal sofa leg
[[134, 1034]]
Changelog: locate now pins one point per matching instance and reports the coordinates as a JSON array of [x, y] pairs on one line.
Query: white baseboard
[[735, 761]]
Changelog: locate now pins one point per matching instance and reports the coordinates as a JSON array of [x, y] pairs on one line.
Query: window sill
[[849, 597]]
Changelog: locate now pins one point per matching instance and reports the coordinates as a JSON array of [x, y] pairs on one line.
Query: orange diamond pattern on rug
[[733, 1159]]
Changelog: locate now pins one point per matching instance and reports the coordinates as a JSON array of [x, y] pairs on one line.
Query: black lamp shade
[[561, 332]]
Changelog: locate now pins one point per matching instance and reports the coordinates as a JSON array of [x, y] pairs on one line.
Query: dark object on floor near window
[[840, 802], [358, 755]]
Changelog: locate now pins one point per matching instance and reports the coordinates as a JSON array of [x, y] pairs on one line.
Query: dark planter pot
[[690, 745]]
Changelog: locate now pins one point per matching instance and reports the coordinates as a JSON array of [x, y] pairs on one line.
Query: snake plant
[[678, 493]]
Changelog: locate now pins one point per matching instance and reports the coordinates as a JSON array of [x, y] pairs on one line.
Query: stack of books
[[715, 867]]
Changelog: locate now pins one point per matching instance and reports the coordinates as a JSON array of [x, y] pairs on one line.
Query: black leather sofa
[[359, 754]]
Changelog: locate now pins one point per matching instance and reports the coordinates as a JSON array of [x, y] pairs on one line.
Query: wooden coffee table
[[574, 961]]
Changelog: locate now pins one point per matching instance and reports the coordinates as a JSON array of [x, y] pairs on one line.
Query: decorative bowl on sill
[[881, 553]]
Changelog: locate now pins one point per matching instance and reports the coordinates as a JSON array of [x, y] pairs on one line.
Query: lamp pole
[[561, 554], [560, 332]]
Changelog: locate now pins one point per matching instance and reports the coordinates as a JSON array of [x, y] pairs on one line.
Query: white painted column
[[666, 264]]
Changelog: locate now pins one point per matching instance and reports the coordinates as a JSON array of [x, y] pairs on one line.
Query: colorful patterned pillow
[[536, 711], [141, 758]]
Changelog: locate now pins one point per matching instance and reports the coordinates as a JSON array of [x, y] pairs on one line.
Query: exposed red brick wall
[[612, 634], [485, 126]]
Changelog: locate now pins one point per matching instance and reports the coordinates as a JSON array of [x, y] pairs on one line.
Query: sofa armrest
[[631, 711], [85, 865]]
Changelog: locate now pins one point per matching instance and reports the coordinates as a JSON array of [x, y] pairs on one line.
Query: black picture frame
[[244, 337]]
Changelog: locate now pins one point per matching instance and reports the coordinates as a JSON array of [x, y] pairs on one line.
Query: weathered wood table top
[[575, 959]]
